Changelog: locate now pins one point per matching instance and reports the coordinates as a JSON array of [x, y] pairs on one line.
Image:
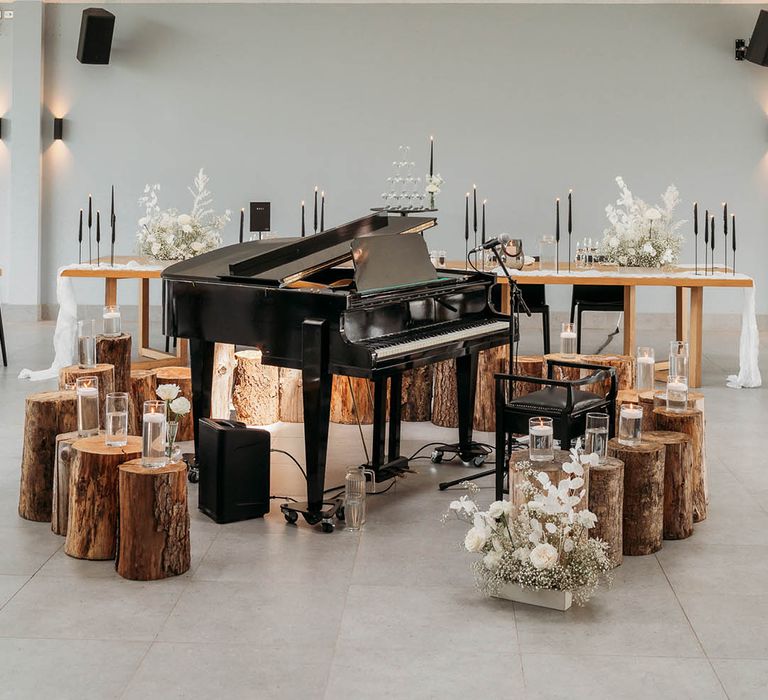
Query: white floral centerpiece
[[641, 235], [434, 185], [544, 546], [170, 235]]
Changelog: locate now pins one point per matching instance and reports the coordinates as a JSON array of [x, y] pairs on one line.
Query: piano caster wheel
[[340, 514], [193, 476], [478, 461], [291, 517], [437, 457], [327, 526]]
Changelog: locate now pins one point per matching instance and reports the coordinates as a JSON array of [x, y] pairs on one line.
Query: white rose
[[168, 392], [497, 509], [649, 249], [180, 406], [184, 220], [186, 228], [197, 246], [586, 518], [492, 560], [475, 540], [543, 556], [155, 248]]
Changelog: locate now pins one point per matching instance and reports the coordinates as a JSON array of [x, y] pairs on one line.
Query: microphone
[[501, 240]]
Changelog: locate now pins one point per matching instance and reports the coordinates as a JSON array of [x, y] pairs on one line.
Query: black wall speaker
[[757, 51], [260, 216], [96, 29]]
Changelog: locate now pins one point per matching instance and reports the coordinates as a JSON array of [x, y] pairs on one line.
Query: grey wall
[[524, 100], [6, 47]]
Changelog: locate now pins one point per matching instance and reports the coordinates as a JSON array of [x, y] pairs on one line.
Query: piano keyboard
[[435, 339]]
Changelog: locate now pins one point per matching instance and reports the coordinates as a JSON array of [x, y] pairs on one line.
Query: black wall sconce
[[756, 51], [58, 129]]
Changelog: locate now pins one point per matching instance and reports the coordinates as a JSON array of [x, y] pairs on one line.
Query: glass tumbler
[[117, 419], [153, 434], [87, 389], [645, 369], [541, 444], [630, 424], [568, 340], [86, 343], [596, 435]]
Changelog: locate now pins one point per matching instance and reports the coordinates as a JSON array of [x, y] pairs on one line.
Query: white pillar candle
[[540, 430], [568, 334], [677, 386], [646, 360], [87, 391], [631, 413]]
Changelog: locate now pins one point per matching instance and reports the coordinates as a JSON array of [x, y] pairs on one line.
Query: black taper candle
[[431, 155], [112, 205], [242, 223], [712, 241], [557, 235], [90, 224], [474, 214], [725, 235], [706, 241], [303, 225], [696, 238], [733, 241], [570, 225], [322, 211], [315, 218], [80, 240], [112, 225], [98, 236], [466, 231], [482, 232]]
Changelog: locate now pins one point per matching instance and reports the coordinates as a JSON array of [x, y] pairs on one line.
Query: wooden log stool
[[445, 409], [348, 394], [643, 511], [606, 501], [224, 363], [61, 470], [562, 373], [92, 525], [143, 386], [115, 350], [623, 364], [153, 539], [291, 396], [528, 366], [647, 401], [104, 373], [255, 389], [678, 482], [691, 423], [46, 415], [553, 469], [490, 363], [417, 394], [182, 376]]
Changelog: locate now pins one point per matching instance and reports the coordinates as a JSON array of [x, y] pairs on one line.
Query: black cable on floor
[[295, 461]]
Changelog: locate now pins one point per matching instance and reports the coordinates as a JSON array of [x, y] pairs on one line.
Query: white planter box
[[557, 600]]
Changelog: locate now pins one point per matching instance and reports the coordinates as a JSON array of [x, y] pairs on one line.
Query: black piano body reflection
[[300, 302]]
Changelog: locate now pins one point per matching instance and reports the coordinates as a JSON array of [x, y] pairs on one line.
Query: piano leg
[[466, 383], [201, 366], [395, 411], [379, 422]]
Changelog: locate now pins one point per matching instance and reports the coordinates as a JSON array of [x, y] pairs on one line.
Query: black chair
[[2, 340], [564, 401], [534, 295], [589, 297]]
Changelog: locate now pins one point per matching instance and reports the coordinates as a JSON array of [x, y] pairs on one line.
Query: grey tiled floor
[[275, 611]]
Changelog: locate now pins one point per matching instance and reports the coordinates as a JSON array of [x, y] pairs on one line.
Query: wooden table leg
[[110, 291], [695, 336], [681, 314], [143, 314], [630, 330]]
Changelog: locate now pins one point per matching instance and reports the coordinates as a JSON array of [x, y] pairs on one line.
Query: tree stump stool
[[417, 394], [153, 539], [183, 377], [92, 525], [623, 364], [626, 396], [291, 396], [445, 409], [224, 364], [648, 402], [490, 362], [106, 376], [691, 423], [46, 415], [61, 470], [553, 469], [529, 366], [562, 373], [255, 389], [348, 393], [143, 386], [606, 501], [116, 351], [643, 511], [678, 482]]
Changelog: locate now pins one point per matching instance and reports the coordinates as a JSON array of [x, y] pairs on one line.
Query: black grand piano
[[362, 300]]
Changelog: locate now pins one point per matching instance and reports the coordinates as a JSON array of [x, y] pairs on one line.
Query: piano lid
[[297, 258]]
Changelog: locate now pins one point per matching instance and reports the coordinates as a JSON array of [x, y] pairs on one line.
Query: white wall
[[525, 100], [6, 48]]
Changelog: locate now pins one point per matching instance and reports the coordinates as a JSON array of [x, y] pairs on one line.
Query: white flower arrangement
[[641, 235], [180, 406], [170, 235], [545, 544], [434, 184]]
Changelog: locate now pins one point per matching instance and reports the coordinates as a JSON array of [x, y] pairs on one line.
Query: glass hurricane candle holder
[[645, 369], [596, 435], [547, 253], [677, 393], [153, 432], [86, 343], [87, 389], [112, 321], [541, 444], [568, 340], [354, 498], [678, 359], [117, 419], [630, 424]]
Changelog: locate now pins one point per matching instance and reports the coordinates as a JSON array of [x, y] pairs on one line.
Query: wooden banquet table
[[688, 312], [145, 271]]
